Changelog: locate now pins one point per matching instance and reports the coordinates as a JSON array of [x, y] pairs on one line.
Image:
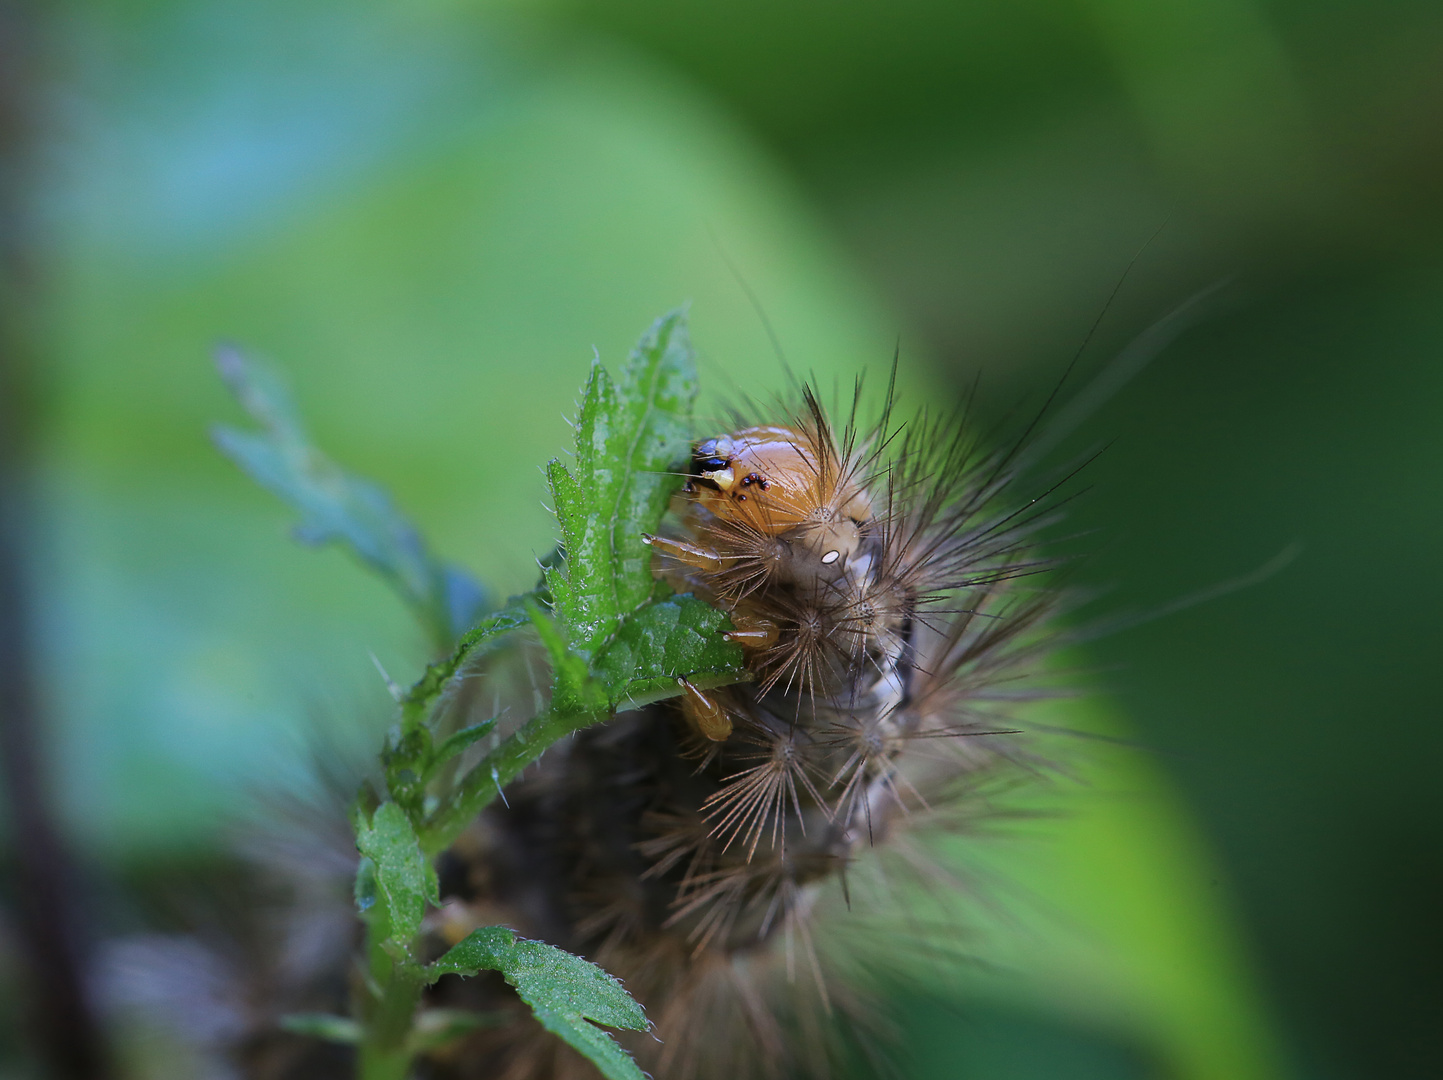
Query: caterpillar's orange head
[[779, 480]]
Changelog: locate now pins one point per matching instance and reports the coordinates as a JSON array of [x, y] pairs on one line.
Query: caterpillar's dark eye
[[709, 464]]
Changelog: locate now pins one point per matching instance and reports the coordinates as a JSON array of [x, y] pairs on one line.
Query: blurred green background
[[428, 214]]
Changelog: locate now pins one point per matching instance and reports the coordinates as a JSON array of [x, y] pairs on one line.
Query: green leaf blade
[[660, 381], [662, 642], [630, 437], [567, 994], [590, 1041]]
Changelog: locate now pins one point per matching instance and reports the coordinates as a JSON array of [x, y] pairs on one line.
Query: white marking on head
[[722, 478], [830, 557]]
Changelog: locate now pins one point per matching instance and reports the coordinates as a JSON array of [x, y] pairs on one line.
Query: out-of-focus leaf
[[336, 1029], [675, 636], [436, 1027], [566, 993], [630, 436], [404, 878], [337, 507]]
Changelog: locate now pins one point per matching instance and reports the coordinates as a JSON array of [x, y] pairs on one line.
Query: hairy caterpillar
[[872, 576], [876, 579]]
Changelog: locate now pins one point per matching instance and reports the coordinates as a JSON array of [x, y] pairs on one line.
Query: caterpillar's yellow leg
[[752, 631], [704, 713], [688, 554]]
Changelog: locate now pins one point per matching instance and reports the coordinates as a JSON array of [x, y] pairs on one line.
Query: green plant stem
[[379, 1063], [392, 998]]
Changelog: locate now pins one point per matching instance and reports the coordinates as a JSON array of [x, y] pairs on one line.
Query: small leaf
[[336, 1029], [668, 638], [473, 643], [457, 742], [631, 436], [337, 507], [566, 993], [434, 1028], [405, 880]]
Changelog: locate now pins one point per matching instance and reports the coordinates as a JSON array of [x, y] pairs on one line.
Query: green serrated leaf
[[405, 880], [337, 507], [629, 438], [630, 435], [566, 993], [572, 687], [666, 639]]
